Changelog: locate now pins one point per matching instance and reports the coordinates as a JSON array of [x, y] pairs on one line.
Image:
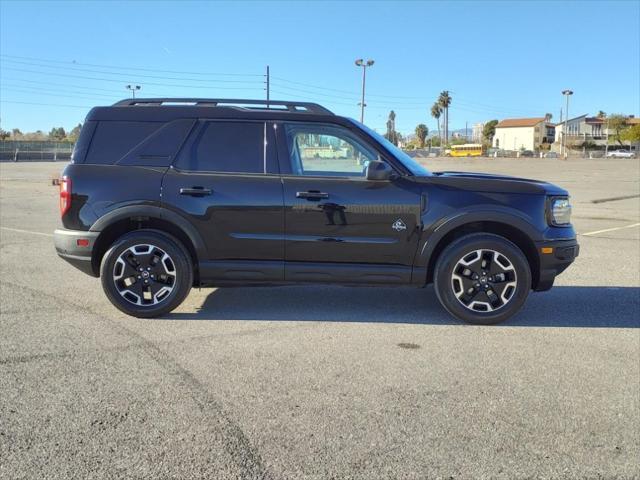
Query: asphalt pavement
[[314, 382]]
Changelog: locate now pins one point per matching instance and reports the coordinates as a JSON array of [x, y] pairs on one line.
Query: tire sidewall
[[177, 252], [465, 245]]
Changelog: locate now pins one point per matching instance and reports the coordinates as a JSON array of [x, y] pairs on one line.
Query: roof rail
[[292, 107]]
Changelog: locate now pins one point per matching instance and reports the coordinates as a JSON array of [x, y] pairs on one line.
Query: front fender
[[434, 231]]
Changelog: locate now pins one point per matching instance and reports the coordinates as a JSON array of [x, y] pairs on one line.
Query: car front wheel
[[482, 278], [146, 273]]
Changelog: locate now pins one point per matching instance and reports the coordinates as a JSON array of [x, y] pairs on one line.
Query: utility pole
[[268, 80], [361, 63], [133, 89], [466, 133], [567, 93]]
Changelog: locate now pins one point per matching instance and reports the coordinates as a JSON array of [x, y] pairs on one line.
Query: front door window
[[327, 152]]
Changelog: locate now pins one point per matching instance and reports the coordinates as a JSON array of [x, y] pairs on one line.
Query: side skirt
[[247, 272]]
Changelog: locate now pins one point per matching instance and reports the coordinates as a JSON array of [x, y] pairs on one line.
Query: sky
[[497, 59]]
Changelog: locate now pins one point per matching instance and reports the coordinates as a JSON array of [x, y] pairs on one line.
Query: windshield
[[413, 166]]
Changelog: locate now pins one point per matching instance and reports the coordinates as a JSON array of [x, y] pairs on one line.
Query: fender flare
[[152, 211], [440, 229]]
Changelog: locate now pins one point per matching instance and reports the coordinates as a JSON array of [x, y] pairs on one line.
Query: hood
[[487, 182]]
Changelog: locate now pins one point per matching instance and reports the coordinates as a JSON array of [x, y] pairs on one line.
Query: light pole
[[361, 63], [133, 89], [567, 93]]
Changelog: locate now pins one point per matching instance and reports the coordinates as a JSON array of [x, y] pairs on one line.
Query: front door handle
[[195, 191], [312, 195]]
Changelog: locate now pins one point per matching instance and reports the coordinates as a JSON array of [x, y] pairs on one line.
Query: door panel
[[241, 219], [227, 184], [354, 223], [333, 214]]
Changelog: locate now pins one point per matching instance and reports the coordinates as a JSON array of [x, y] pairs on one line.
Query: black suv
[[165, 194]]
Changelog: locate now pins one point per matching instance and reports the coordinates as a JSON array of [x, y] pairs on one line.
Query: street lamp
[[361, 63], [133, 89], [567, 93]]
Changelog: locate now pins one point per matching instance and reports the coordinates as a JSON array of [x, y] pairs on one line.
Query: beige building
[[592, 129], [476, 132], [523, 133]]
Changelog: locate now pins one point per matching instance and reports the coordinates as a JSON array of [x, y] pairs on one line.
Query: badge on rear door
[[399, 225]]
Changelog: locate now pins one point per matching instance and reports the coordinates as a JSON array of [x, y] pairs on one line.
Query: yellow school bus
[[467, 150]]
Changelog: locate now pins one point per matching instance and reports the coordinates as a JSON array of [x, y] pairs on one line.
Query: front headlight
[[560, 211]]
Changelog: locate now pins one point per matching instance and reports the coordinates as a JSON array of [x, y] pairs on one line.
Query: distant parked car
[[621, 154], [551, 155], [526, 153]]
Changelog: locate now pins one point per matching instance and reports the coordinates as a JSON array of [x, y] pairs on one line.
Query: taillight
[[65, 195]]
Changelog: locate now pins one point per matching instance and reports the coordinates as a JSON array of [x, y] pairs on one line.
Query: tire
[[482, 296], [166, 267]]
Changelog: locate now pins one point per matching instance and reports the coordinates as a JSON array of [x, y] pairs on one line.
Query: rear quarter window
[[112, 140]]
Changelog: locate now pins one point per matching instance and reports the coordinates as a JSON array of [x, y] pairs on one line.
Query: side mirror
[[378, 170]]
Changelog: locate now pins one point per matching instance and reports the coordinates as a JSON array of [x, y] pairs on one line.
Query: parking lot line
[[26, 231], [610, 229]]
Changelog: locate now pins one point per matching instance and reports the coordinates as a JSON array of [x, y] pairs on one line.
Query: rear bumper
[[66, 242], [553, 264]]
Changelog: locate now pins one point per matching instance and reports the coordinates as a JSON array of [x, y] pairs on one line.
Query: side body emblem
[[399, 225]]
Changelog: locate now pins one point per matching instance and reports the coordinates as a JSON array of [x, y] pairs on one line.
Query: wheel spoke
[[487, 260]]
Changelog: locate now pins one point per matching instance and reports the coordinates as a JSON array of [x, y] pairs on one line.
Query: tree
[[16, 134], [631, 134], [601, 114], [421, 132], [4, 134], [617, 123], [74, 133], [444, 100], [548, 117], [391, 134], [436, 111], [489, 131], [57, 134]]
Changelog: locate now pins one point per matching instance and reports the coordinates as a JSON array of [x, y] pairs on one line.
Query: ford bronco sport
[[165, 194]]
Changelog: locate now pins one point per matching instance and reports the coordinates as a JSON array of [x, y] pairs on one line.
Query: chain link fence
[[34, 151]]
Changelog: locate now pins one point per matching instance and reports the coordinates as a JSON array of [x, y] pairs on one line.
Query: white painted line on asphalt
[[610, 229], [26, 231]]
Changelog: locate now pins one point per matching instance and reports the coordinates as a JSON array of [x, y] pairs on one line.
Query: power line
[[66, 85], [133, 68], [120, 81], [44, 104], [127, 75], [28, 89]]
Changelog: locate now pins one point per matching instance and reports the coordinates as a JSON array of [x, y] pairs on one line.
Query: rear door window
[[227, 147]]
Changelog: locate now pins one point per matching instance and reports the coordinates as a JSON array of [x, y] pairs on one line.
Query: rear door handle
[[312, 195], [195, 191]]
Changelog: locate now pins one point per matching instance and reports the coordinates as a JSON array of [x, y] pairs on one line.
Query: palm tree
[[421, 132], [444, 100], [436, 111], [392, 135]]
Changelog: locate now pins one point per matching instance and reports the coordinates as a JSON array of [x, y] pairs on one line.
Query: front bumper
[[66, 242], [552, 264]]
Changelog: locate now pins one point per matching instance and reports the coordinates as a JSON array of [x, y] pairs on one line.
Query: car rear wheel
[[482, 278], [146, 273]]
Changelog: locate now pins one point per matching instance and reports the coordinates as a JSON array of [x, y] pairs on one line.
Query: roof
[[520, 122], [168, 109], [244, 104]]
